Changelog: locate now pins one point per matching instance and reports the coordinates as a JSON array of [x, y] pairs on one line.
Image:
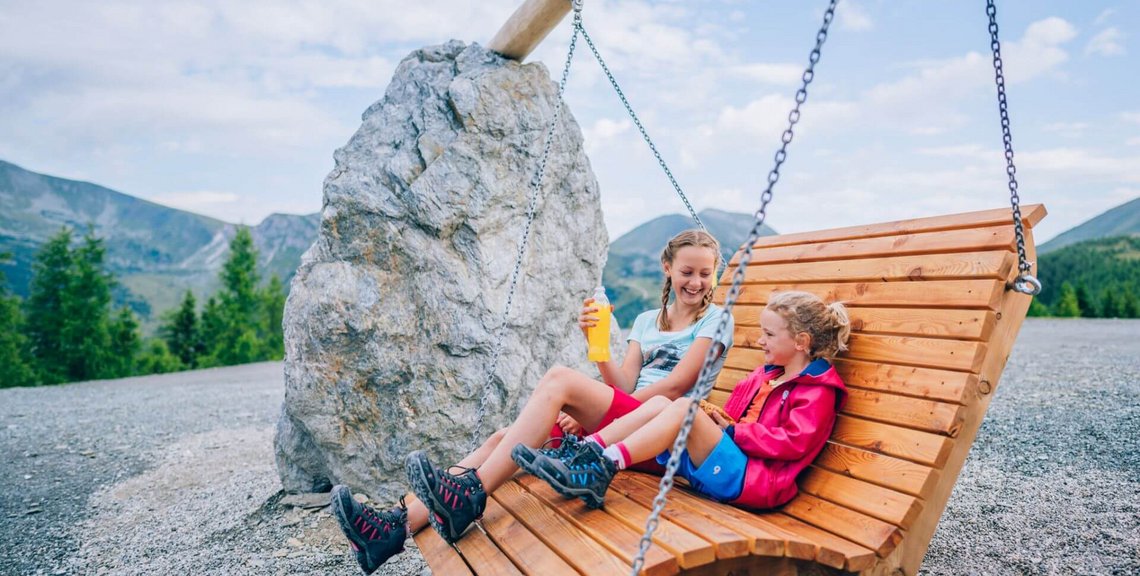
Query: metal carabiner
[[1027, 284]]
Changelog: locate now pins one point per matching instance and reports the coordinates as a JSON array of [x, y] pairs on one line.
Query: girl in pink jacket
[[781, 417]]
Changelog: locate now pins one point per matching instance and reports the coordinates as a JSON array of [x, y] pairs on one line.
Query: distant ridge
[[156, 251], [1123, 220]]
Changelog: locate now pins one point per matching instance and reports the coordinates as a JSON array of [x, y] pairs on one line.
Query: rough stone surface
[[392, 317]]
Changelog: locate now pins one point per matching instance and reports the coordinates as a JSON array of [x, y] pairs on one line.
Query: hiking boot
[[453, 501], [374, 536], [524, 455], [586, 474]]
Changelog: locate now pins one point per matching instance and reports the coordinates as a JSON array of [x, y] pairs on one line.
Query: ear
[[665, 267], [803, 342]]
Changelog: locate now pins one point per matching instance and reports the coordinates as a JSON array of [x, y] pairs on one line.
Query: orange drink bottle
[[598, 335]]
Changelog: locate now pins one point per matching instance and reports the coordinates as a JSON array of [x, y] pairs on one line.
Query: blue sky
[[233, 109]]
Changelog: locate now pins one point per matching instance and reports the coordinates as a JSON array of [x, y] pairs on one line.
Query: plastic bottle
[[598, 336]]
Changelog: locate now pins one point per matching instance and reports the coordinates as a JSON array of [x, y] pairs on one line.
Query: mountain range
[[158, 252]]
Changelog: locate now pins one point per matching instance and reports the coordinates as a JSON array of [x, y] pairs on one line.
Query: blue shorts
[[720, 476]]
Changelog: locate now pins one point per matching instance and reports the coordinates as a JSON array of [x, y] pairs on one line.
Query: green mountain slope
[[1124, 220], [156, 252], [633, 277], [1099, 270]]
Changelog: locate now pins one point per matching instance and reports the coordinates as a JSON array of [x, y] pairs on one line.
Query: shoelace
[[386, 525]]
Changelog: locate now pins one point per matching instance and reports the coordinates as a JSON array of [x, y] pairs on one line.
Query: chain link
[[704, 380], [1025, 282], [641, 128], [536, 189]]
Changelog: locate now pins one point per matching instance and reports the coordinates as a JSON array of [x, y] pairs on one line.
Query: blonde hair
[[700, 239], [827, 324]]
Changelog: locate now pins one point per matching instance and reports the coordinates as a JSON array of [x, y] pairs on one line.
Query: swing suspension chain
[[1025, 282], [704, 380], [536, 189], [640, 127]]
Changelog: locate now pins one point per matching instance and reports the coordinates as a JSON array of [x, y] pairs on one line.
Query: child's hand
[[569, 425], [720, 420], [586, 318]]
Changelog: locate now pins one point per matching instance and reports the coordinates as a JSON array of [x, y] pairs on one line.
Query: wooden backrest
[[933, 324]]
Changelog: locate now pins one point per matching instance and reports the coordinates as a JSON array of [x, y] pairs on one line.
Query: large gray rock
[[392, 316]]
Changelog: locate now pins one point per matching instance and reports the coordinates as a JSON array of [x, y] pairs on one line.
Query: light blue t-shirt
[[661, 351]]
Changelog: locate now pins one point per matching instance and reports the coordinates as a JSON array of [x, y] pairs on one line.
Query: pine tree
[[1129, 307], [211, 327], [14, 369], [240, 305], [273, 306], [1037, 308], [1109, 304], [182, 333], [125, 345], [157, 359], [85, 335], [1067, 306], [1084, 302], [44, 317]]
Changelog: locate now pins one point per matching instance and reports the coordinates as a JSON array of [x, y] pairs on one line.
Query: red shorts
[[620, 405]]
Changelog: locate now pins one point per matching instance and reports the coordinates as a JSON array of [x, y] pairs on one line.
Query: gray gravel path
[[174, 474]]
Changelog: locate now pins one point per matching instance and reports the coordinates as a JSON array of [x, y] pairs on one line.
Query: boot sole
[[418, 478], [342, 498], [588, 496]]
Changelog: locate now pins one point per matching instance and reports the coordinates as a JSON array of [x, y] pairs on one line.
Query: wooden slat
[[961, 355], [923, 322], [604, 529], [943, 385], [764, 541], [938, 417], [882, 503], [854, 557], [916, 446], [482, 553], [962, 240], [973, 294], [576, 548], [524, 549], [690, 549], [872, 533], [961, 266], [894, 473], [725, 542], [441, 558], [1031, 214]]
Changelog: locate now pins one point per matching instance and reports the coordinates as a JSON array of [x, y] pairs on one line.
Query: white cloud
[[1133, 117], [852, 16], [1066, 129], [1132, 141], [775, 74], [1109, 42], [199, 201], [1104, 16]]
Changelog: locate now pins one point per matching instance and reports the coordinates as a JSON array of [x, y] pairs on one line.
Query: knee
[[680, 405], [554, 378], [658, 403], [497, 436]]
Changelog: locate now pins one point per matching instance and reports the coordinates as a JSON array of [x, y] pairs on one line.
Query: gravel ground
[[174, 474]]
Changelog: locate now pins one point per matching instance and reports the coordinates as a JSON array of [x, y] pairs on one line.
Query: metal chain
[[641, 128], [704, 380], [1025, 282], [536, 189]]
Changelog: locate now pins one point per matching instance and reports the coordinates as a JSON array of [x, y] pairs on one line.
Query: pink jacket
[[795, 423]]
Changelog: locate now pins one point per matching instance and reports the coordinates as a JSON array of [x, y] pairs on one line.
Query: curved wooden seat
[[933, 326]]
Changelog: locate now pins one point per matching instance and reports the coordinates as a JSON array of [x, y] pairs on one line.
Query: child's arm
[[683, 376], [811, 416], [623, 377]]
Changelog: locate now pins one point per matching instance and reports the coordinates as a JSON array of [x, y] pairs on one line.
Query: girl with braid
[[666, 349]]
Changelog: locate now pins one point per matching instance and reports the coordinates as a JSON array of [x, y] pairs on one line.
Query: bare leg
[[626, 425], [659, 434], [561, 389], [417, 512]]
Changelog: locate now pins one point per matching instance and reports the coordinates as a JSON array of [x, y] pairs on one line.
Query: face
[[780, 346], [692, 274]]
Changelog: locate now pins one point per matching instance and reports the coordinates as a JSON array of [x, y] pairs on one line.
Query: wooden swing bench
[[933, 326]]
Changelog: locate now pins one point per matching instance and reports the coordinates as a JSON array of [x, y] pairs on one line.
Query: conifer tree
[[1109, 305], [44, 317], [273, 306], [1129, 306], [182, 332], [1037, 308], [1084, 302], [125, 345], [211, 327], [85, 335], [14, 369], [1067, 306], [240, 305]]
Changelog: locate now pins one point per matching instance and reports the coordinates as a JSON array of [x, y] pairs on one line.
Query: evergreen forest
[[68, 329]]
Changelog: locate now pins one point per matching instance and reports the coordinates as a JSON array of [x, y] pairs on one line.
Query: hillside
[[1102, 271], [1123, 220], [156, 252], [633, 277]]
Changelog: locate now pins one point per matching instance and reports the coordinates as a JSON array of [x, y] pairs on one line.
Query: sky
[[234, 109]]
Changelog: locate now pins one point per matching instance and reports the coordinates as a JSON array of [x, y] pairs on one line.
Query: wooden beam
[[527, 27]]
